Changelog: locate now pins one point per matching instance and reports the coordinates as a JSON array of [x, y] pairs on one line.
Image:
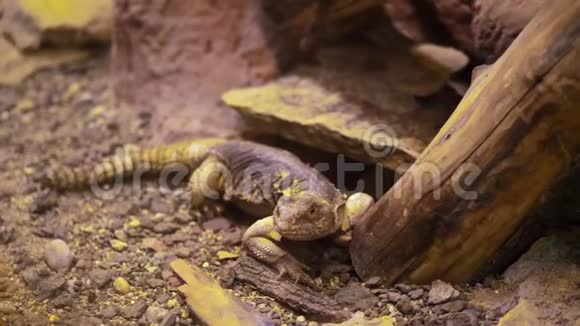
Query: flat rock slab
[[368, 119], [212, 304], [16, 66]]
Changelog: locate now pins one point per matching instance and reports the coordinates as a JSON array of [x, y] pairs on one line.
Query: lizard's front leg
[[207, 181], [259, 239]]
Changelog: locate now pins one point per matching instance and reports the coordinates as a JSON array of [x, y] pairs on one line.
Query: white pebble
[[57, 255]]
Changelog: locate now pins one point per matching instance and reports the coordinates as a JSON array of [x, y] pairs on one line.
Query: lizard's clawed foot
[[288, 266], [259, 242], [207, 211]]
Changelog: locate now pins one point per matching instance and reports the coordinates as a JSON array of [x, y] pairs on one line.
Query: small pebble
[[91, 297], [109, 312], [155, 314], [441, 292], [404, 305], [29, 275], [356, 297], [373, 281], [63, 300], [453, 306], [219, 223], [177, 237], [166, 227], [7, 308], [134, 222], [83, 264], [169, 319], [121, 235], [100, 277], [50, 286], [300, 319], [54, 318], [58, 255], [183, 252], [43, 202], [232, 238], [118, 245], [161, 205], [121, 285], [172, 303], [155, 282], [174, 281], [163, 298], [461, 319], [134, 310], [404, 288], [183, 218], [416, 294], [394, 297]]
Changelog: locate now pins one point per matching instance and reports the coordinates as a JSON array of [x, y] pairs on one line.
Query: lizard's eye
[[313, 210]]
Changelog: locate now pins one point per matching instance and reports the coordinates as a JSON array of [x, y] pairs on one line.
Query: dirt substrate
[[66, 115]]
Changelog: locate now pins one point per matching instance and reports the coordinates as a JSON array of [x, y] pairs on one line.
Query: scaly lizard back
[[154, 159]]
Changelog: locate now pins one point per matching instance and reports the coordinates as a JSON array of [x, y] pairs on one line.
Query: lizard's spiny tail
[[154, 159]]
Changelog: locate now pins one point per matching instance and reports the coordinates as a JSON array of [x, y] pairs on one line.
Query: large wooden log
[[515, 132]]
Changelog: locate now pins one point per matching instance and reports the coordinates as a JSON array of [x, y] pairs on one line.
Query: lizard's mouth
[[285, 226], [280, 224], [290, 232], [308, 235]]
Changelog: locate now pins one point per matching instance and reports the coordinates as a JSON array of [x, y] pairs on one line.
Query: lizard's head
[[305, 216]]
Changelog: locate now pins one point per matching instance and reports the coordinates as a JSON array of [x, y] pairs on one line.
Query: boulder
[[542, 287], [31, 23], [437, 21], [456, 16]]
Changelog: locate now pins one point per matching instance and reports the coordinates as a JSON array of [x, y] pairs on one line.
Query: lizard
[[290, 199]]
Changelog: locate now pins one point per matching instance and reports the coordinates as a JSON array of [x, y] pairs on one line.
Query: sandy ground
[[66, 115]]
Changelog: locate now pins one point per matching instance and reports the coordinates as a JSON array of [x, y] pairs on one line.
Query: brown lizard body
[[292, 200]]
